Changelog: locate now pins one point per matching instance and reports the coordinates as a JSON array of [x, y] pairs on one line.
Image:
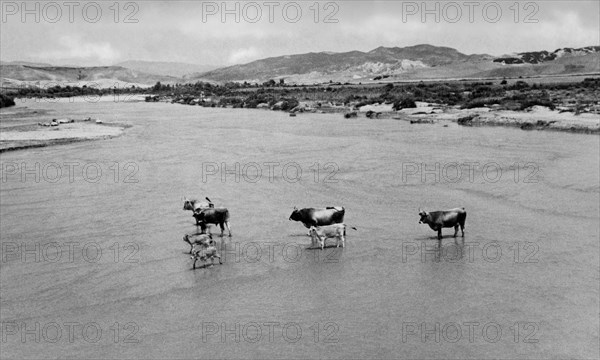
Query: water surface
[[530, 265]]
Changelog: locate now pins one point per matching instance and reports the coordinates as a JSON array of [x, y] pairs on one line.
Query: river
[[94, 266]]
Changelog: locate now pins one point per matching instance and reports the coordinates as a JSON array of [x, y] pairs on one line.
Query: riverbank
[[534, 118], [561, 106], [30, 136]]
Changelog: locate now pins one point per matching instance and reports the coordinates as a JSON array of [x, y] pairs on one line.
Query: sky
[[220, 33]]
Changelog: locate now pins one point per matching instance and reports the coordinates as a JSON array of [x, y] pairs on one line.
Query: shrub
[[404, 103], [6, 101], [533, 102]]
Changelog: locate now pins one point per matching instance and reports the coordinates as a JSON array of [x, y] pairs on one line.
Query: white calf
[[322, 233]]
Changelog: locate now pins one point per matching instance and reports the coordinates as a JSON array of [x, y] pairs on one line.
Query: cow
[[207, 250], [318, 217], [195, 205], [196, 239], [444, 219], [322, 233], [217, 216]]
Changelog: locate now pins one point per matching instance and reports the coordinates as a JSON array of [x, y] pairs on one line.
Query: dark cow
[[195, 205], [196, 239], [444, 219], [318, 217], [217, 216], [207, 250]]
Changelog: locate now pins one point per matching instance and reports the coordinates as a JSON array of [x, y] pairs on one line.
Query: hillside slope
[[101, 75]]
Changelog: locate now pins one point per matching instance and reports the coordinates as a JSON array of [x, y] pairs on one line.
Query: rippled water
[[111, 266]]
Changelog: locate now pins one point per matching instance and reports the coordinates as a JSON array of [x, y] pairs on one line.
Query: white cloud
[[241, 56], [73, 47]]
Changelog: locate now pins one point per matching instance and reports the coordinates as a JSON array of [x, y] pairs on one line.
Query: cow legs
[[202, 227], [343, 240], [440, 234], [228, 227], [313, 241], [462, 229], [455, 230], [187, 240]]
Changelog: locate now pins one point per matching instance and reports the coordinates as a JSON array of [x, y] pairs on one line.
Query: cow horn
[[208, 199]]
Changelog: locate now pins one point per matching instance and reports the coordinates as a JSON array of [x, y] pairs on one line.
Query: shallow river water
[[94, 266]]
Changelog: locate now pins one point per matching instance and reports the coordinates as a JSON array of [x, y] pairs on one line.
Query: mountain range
[[383, 63]]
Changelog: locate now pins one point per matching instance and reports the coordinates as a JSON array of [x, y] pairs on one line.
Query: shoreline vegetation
[[571, 106], [560, 105]]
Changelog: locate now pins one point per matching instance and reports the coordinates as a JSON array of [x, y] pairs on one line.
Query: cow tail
[[351, 227]]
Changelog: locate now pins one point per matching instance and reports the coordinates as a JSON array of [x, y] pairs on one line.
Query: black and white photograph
[[316, 179]]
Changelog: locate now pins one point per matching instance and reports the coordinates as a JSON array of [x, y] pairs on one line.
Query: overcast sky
[[207, 32]]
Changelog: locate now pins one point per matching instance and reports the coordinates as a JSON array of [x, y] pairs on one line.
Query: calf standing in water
[[207, 250], [444, 219], [196, 239], [322, 233]]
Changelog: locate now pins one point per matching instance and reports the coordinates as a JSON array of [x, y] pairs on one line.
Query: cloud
[[72, 47], [241, 56]]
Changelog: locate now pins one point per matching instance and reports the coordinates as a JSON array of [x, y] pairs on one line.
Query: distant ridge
[[538, 57], [413, 63], [103, 76], [382, 60], [27, 63], [175, 69]]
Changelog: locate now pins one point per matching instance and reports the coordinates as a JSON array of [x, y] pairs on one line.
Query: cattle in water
[[444, 219], [197, 239], [207, 250], [318, 217], [217, 216], [321, 233], [196, 205]]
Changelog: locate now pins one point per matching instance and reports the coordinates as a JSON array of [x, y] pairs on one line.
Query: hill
[[101, 76], [419, 62], [175, 69], [408, 63], [352, 65]]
